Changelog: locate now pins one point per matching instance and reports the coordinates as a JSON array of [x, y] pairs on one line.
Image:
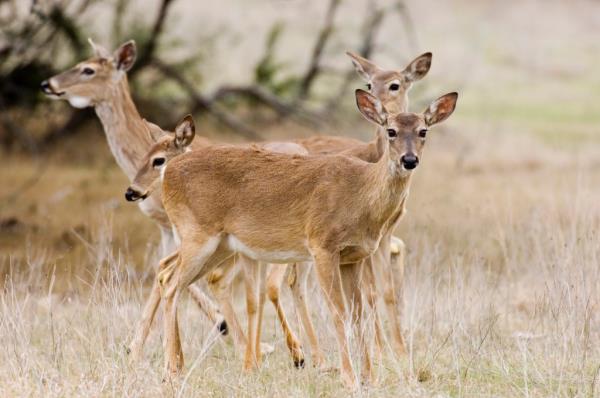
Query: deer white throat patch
[[77, 101]]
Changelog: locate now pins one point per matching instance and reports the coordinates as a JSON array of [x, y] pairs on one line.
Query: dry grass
[[502, 292], [503, 228]]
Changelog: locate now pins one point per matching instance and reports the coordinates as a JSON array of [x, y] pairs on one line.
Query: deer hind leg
[[372, 296], [275, 275], [327, 265], [351, 279], [394, 293], [297, 280], [143, 329], [220, 283]]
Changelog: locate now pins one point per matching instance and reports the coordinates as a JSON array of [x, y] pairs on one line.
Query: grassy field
[[502, 287], [503, 235]]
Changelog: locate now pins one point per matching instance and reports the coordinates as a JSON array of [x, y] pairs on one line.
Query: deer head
[[91, 81], [406, 133], [154, 163], [392, 86]]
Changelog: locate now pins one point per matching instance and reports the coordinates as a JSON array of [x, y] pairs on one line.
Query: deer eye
[[392, 133], [394, 87], [423, 133], [157, 162], [369, 86], [88, 71]]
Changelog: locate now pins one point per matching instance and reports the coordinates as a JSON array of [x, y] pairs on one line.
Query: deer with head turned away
[[283, 208]]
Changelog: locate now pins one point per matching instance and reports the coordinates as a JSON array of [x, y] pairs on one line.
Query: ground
[[502, 230]]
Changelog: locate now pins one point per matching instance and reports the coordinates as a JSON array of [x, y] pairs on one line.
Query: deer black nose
[[409, 161], [45, 86], [131, 195]]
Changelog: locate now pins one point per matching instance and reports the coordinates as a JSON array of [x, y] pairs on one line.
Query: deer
[[167, 147], [282, 208], [101, 82], [391, 87]]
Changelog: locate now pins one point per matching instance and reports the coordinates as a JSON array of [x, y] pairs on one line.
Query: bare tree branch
[[259, 94], [201, 103], [409, 25], [313, 68], [147, 53], [372, 23]]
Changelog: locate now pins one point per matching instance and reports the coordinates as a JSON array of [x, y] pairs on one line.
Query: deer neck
[[127, 133], [385, 187]]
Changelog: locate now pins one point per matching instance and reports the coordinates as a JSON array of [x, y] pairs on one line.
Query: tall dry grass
[[502, 296], [503, 223]]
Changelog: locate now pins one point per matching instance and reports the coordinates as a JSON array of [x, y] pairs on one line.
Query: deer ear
[[363, 66], [125, 56], [370, 107], [185, 132], [99, 51], [418, 68], [154, 131], [440, 109]]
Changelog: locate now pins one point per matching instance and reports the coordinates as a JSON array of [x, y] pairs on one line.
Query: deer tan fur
[[101, 82], [381, 81], [287, 208], [219, 280], [385, 272]]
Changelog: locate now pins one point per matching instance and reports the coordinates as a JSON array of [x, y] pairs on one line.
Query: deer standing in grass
[[101, 82], [281, 208], [391, 87], [384, 271]]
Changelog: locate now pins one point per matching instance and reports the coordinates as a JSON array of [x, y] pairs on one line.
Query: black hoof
[[223, 328], [299, 363]]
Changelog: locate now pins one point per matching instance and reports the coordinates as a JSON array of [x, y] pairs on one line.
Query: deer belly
[[286, 255]]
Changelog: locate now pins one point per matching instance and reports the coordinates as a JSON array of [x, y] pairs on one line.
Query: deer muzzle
[[47, 88], [409, 161], [132, 195]]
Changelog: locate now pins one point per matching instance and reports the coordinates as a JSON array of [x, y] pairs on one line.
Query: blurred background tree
[[41, 38]]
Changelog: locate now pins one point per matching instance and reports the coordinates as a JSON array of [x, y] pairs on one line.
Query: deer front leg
[[351, 279], [170, 291], [143, 329], [327, 264], [394, 293], [370, 287], [275, 275], [198, 255], [388, 269], [169, 243]]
